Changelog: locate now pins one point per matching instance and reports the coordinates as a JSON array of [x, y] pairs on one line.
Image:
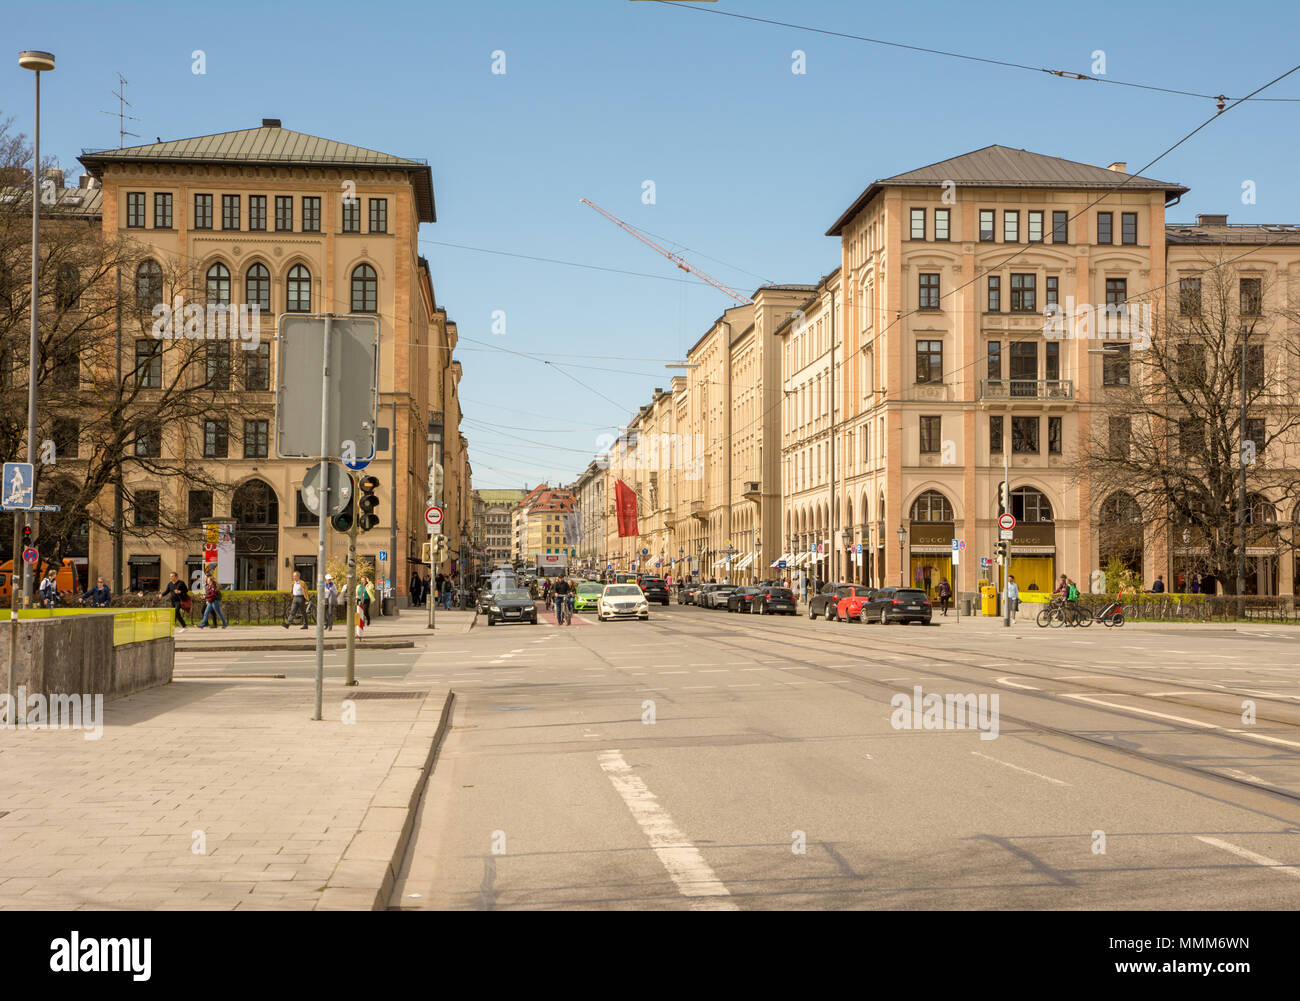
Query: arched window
[[1030, 506], [148, 284], [1120, 509], [1260, 511], [257, 287], [297, 290], [219, 285], [365, 289], [255, 503], [932, 506]]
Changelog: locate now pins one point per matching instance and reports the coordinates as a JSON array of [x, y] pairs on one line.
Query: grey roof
[[269, 145], [1263, 233], [1003, 167], [69, 203]]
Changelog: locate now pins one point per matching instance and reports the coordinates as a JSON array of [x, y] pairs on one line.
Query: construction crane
[[681, 262]]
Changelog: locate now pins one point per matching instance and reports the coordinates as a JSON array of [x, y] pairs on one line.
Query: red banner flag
[[625, 501]]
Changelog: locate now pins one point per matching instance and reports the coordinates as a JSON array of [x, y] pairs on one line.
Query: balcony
[[699, 511], [1026, 389]]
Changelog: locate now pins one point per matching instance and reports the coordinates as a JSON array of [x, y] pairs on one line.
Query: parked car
[[849, 607], [700, 598], [823, 602], [655, 589], [739, 599], [622, 601], [513, 604], [774, 601], [686, 595], [897, 604], [717, 597], [587, 597]]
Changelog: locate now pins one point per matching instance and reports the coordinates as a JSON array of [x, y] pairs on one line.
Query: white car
[[622, 601]]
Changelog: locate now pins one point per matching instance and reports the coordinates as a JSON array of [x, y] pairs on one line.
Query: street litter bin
[[988, 600], [387, 606], [966, 606]]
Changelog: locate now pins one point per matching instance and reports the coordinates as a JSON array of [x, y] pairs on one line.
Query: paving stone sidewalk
[[275, 802], [411, 626]]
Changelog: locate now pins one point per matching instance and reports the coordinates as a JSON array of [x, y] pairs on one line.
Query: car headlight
[[494, 608], [530, 608]]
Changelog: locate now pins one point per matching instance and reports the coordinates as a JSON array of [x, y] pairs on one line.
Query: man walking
[[563, 612], [1159, 586], [331, 598], [298, 605], [1013, 596], [179, 593], [415, 587]]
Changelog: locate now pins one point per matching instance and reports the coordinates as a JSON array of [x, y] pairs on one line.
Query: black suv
[[897, 604], [654, 589]]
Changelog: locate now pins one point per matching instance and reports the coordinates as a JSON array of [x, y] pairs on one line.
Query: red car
[[852, 598]]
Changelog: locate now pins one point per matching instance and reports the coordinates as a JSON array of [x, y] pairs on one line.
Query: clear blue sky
[[751, 162]]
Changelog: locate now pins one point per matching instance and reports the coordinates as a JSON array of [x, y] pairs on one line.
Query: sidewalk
[[218, 795], [384, 632]]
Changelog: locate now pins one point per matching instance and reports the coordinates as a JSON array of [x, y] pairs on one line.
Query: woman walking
[[212, 597]]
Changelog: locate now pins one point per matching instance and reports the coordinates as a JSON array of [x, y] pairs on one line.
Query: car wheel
[[883, 620], [830, 612], [863, 617], [811, 613]]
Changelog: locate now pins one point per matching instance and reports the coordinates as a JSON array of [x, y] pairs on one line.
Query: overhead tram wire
[[554, 260], [987, 60]]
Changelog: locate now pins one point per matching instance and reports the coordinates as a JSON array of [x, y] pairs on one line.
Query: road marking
[[1093, 700], [1012, 684], [753, 685], [1237, 773], [718, 670], [1247, 854], [672, 672], [696, 688], [683, 861], [1008, 764]]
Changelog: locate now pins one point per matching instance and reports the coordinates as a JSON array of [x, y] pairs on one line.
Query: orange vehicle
[[67, 580]]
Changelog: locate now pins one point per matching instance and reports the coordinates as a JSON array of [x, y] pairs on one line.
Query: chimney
[[1119, 166], [270, 123], [83, 181], [1212, 220], [55, 175]]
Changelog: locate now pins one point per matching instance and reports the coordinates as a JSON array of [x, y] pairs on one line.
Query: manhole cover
[[386, 695]]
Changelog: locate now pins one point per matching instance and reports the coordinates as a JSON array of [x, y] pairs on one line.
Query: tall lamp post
[[902, 535], [39, 62]]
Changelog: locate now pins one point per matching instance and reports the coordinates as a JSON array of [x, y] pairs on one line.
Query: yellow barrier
[[130, 625]]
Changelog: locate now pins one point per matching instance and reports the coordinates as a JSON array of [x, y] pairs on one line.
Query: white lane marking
[[686, 866], [1012, 684], [718, 670], [695, 688], [1008, 764], [1237, 773], [750, 685], [1255, 857], [753, 669], [1265, 737], [672, 672], [1183, 719]]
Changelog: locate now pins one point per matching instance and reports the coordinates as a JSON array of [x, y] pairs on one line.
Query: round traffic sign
[[30, 555], [433, 515], [1006, 522]]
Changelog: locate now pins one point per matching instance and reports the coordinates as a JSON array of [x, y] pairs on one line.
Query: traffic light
[[1004, 497], [27, 536], [1002, 550], [367, 502]]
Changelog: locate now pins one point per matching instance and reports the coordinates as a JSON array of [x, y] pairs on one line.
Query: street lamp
[[38, 62], [902, 535]]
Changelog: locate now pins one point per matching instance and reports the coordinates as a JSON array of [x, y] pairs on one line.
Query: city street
[[706, 761]]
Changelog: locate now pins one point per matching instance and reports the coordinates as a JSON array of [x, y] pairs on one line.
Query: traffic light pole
[[13, 618], [351, 603], [323, 522], [1006, 560]]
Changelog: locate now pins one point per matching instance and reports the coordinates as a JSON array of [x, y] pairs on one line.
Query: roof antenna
[[122, 116]]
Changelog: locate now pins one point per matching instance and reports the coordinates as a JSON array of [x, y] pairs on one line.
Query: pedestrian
[[415, 587], [98, 596], [368, 590], [179, 593], [49, 590], [212, 604], [944, 592], [1013, 596], [298, 602], [1195, 586], [447, 590], [331, 598], [1159, 586]]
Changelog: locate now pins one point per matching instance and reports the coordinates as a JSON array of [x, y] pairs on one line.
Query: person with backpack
[[49, 591], [944, 592]]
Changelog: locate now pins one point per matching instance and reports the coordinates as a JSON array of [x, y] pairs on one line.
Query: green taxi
[[587, 597]]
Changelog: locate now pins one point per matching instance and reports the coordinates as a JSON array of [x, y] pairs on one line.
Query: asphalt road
[[711, 761]]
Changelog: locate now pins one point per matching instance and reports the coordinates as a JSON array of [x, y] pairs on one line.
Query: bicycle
[[1111, 615]]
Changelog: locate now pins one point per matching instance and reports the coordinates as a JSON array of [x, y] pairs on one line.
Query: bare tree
[[1167, 428]]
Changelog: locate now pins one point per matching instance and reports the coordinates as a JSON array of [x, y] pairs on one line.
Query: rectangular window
[[929, 361], [1024, 368], [1191, 437], [929, 292], [148, 363], [918, 224], [230, 212], [284, 213], [305, 515], [1128, 227], [1060, 227], [1052, 360], [146, 508], [986, 226], [1024, 435], [1189, 296], [311, 214], [162, 210], [135, 210], [1054, 427], [148, 442], [995, 294], [1254, 368], [257, 212], [217, 366], [67, 437], [1024, 293], [1116, 291], [216, 439], [1252, 298], [995, 434], [199, 506], [1191, 364], [255, 439], [1010, 227], [995, 361], [257, 368], [1105, 227], [941, 218], [379, 215], [351, 215], [1256, 432], [931, 435], [1121, 435], [1115, 365], [1052, 294], [202, 211], [1036, 227]]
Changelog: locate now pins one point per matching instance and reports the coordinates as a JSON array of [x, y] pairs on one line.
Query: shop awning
[[801, 559], [745, 561], [786, 557], [721, 563]]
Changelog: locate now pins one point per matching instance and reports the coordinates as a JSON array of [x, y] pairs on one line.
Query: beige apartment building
[[294, 224], [493, 512]]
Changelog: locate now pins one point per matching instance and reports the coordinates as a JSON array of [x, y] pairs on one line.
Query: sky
[[750, 161]]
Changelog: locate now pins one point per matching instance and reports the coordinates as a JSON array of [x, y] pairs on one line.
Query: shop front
[[930, 555], [1033, 558]]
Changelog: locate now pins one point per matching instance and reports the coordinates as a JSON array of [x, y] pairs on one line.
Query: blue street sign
[[645, 552], [955, 545], [780, 564], [858, 548], [383, 555], [16, 487], [356, 465]]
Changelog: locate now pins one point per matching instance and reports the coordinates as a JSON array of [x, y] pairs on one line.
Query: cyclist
[[1069, 592], [563, 593]]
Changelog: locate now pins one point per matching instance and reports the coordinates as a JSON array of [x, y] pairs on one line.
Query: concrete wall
[[75, 654]]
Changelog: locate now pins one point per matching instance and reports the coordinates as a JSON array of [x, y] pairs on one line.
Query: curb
[[365, 876], [294, 645]]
